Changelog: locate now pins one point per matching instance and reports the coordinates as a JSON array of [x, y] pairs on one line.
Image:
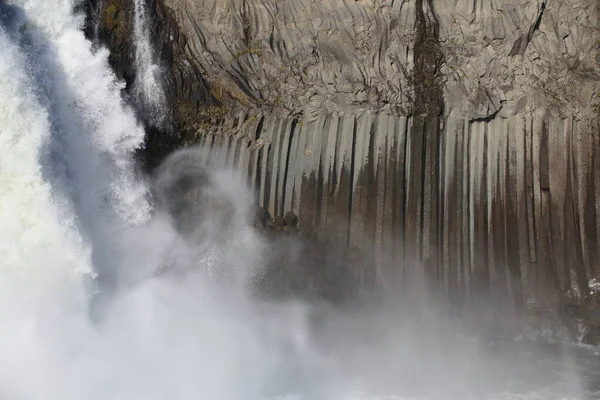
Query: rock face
[[190, 104], [453, 141]]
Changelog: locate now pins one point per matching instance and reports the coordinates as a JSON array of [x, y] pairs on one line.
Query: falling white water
[[30, 216], [97, 19], [67, 138], [147, 88], [176, 319], [72, 207]]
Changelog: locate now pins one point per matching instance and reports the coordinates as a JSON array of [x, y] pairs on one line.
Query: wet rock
[[585, 313], [290, 219], [262, 217], [189, 101], [592, 338], [467, 129], [278, 222]]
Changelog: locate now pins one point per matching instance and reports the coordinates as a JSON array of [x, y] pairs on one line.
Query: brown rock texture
[[453, 141]]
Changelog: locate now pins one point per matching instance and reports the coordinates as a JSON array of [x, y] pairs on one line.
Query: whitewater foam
[[31, 217], [147, 89], [178, 318]]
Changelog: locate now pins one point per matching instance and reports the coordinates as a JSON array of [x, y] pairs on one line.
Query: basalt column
[[452, 142]]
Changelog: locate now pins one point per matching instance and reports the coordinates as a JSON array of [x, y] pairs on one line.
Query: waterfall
[[99, 6], [65, 103], [147, 89], [179, 318], [75, 222]]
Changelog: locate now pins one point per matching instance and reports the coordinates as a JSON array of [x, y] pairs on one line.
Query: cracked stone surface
[[304, 57], [500, 57], [510, 57], [451, 140]]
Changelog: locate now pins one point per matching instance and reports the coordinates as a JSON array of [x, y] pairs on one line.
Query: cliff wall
[[450, 140]]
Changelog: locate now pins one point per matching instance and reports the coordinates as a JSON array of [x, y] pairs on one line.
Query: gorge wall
[[450, 140]]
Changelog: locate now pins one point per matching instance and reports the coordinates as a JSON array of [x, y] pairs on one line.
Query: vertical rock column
[[503, 209], [490, 196]]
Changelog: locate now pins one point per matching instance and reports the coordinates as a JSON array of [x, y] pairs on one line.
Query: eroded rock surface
[[454, 140]]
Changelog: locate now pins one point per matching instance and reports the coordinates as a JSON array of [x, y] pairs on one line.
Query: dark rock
[[189, 102], [290, 219], [592, 337], [262, 217], [278, 222], [436, 155], [584, 313]]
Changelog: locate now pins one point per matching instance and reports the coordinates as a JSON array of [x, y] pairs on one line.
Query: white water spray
[[177, 320], [96, 20], [147, 89], [174, 321]]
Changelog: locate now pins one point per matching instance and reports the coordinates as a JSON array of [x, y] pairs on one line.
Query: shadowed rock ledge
[[452, 141]]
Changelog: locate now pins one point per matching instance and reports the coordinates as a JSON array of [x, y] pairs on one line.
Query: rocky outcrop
[[453, 141], [189, 103]]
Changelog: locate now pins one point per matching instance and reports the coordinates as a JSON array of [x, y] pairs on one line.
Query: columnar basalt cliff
[[452, 140]]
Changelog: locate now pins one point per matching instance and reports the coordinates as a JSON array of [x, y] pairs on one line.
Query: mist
[[116, 285], [184, 319]]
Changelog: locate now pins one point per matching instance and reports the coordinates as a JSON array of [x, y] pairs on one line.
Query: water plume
[[114, 285], [147, 86]]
